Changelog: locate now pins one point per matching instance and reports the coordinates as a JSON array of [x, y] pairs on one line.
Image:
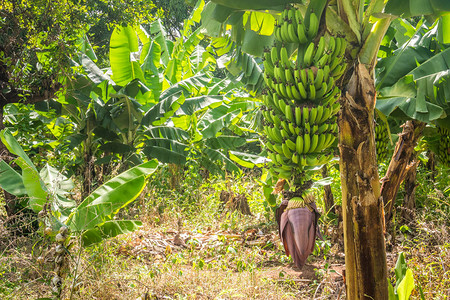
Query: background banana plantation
[[225, 149]]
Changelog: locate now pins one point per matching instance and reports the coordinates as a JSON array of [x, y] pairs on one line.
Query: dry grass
[[192, 248]]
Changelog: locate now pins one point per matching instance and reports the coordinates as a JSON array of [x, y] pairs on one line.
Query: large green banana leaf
[[410, 79], [123, 45], [142, 170], [106, 204]]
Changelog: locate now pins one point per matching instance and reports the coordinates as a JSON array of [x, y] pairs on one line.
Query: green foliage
[[404, 281], [47, 190], [38, 37], [160, 103], [413, 79]]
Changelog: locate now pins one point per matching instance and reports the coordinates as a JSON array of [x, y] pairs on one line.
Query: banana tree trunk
[[409, 202], [404, 150], [328, 198], [362, 206]]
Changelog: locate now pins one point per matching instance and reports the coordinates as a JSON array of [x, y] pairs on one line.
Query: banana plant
[[363, 25], [412, 81], [47, 191], [181, 91]]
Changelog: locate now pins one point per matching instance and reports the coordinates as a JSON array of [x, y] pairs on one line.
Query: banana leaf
[[167, 132], [56, 183], [11, 181], [123, 44], [248, 160], [166, 155], [141, 170], [225, 142], [108, 229], [215, 120]]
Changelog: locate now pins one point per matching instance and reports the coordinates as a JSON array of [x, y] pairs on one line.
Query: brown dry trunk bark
[[88, 175], [431, 165], [362, 206], [328, 198], [403, 152], [409, 202]]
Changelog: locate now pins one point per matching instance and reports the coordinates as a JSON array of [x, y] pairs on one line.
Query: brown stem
[[409, 202], [328, 198], [362, 207], [404, 149]]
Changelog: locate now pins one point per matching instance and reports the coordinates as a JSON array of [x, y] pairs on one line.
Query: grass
[[192, 247]]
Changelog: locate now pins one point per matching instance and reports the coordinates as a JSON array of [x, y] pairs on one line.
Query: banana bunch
[[444, 146], [381, 141], [291, 27], [301, 98]]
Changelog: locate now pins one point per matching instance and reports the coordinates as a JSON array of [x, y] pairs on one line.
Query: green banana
[[291, 145], [322, 128], [282, 89], [274, 55], [305, 115], [284, 57], [285, 133], [289, 76], [279, 73], [302, 91], [312, 160], [292, 128], [329, 140], [331, 44], [320, 143], [295, 158], [306, 142], [320, 48], [307, 58], [313, 26], [299, 144], [275, 118], [287, 87], [311, 77], [301, 33], [313, 115], [319, 113], [284, 126], [323, 61], [288, 113], [298, 116], [295, 92], [298, 16], [304, 76], [314, 142], [276, 134], [319, 78], [284, 32], [287, 153], [312, 91], [292, 32], [268, 65], [278, 149]]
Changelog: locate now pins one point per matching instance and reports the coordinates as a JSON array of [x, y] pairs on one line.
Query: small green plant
[[404, 281]]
